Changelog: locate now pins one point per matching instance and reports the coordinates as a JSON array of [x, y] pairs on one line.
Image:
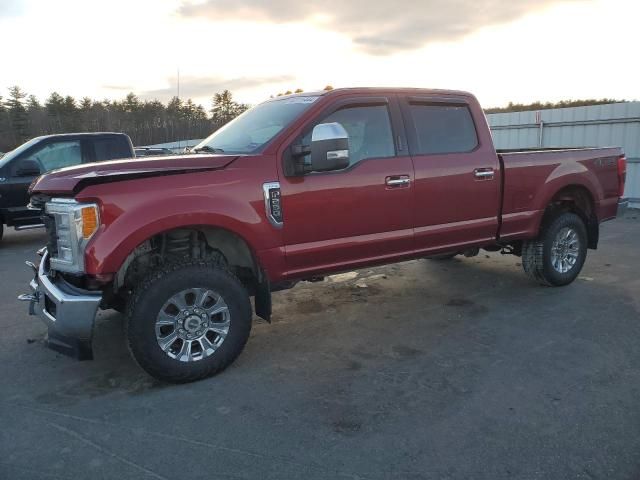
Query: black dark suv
[[21, 166]]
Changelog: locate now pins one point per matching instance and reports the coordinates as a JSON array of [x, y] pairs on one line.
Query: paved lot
[[461, 369]]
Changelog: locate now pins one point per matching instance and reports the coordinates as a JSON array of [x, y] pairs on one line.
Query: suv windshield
[[252, 130], [7, 157]]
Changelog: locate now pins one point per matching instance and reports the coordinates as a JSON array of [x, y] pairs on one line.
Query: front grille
[[38, 201], [52, 237]]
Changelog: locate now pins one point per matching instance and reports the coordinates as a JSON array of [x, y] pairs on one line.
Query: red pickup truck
[[299, 187]]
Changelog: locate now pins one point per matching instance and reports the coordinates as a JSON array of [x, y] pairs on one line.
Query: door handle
[[484, 173], [396, 181]]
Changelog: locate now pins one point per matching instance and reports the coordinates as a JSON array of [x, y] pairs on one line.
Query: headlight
[[75, 224]]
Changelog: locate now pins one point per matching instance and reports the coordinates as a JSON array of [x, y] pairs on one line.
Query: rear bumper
[[68, 311], [623, 206]]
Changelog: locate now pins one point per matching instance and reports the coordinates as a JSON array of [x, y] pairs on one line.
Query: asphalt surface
[[420, 370]]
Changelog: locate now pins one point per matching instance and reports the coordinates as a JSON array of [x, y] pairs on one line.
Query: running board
[[29, 227]]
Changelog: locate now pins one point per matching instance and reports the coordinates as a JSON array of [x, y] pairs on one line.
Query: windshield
[[252, 130], [7, 157]]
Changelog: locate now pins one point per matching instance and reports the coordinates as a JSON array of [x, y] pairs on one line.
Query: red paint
[[338, 220]]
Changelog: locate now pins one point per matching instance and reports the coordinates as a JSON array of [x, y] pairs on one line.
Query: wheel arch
[[576, 198], [235, 249]]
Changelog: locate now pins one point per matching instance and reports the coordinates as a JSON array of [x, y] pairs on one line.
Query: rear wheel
[[188, 321], [556, 257]]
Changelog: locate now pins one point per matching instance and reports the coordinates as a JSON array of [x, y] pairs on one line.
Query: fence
[[616, 124]]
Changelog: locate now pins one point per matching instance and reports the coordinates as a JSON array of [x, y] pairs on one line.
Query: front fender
[[129, 220]]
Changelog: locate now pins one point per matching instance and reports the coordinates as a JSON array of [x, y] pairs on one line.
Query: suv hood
[[71, 180]]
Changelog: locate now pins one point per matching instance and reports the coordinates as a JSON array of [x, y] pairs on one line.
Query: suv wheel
[[556, 257], [188, 321]]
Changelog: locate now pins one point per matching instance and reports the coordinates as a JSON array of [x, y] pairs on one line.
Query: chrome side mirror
[[329, 147]]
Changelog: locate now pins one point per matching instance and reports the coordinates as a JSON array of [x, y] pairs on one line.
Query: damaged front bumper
[[68, 311]]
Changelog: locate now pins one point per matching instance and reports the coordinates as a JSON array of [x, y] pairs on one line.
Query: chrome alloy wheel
[[192, 324], [565, 250]]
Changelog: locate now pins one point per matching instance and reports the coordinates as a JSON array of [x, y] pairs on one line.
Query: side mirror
[[329, 147], [28, 168]]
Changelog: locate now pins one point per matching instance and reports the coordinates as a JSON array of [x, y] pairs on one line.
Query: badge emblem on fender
[[272, 203]]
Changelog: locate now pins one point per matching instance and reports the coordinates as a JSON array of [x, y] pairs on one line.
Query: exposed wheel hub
[[192, 324]]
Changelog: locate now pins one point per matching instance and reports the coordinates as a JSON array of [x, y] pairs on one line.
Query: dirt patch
[[309, 306], [346, 426], [130, 383], [471, 307], [403, 351], [459, 302]]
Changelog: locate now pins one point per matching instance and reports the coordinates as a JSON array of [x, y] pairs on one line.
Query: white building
[[609, 125]]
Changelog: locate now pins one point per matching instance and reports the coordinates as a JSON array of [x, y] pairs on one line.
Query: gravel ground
[[424, 369]]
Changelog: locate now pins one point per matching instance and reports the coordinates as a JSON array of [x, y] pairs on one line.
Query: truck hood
[[71, 180]]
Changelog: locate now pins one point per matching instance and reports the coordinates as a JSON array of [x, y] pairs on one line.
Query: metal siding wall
[[616, 124]]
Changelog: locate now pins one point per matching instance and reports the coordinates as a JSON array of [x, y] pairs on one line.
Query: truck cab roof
[[377, 90]]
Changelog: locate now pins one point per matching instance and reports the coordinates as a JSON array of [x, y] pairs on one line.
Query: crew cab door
[[336, 220], [457, 173]]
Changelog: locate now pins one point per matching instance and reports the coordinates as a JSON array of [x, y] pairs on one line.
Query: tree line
[[147, 122], [523, 107]]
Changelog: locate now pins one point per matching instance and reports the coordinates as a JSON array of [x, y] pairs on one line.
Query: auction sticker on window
[[300, 100]]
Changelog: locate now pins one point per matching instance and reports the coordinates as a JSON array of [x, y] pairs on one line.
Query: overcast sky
[[501, 50]]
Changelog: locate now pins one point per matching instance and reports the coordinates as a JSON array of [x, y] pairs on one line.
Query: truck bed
[[532, 177]]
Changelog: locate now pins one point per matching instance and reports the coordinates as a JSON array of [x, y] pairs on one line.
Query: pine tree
[[33, 104], [146, 122], [17, 113]]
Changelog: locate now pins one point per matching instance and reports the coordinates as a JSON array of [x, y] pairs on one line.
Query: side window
[[443, 128], [58, 155], [110, 148], [369, 129]]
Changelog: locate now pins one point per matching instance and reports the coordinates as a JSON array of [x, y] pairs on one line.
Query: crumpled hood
[[71, 180]]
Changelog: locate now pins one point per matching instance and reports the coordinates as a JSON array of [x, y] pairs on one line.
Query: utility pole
[[179, 145]]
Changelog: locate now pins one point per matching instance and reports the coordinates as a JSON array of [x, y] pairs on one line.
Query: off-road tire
[[536, 254], [157, 287]]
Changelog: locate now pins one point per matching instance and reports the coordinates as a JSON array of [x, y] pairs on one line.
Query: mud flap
[[71, 347], [262, 299]]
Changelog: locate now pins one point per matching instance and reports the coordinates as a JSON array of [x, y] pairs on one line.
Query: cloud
[[377, 26], [198, 87], [11, 8], [195, 87], [127, 88]]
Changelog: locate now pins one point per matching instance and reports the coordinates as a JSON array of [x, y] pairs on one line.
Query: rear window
[[111, 148], [443, 128]]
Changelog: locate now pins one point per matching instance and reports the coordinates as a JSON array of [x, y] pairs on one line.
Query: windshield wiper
[[207, 148]]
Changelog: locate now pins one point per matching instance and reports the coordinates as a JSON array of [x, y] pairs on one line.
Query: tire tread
[[143, 360], [533, 251]]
